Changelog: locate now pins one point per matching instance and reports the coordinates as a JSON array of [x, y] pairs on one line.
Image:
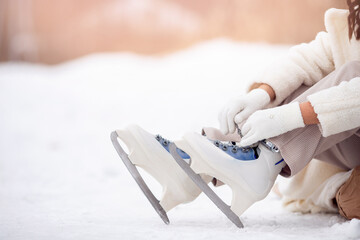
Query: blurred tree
[[54, 31]]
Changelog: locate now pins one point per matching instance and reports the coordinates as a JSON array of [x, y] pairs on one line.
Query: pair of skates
[[184, 168]]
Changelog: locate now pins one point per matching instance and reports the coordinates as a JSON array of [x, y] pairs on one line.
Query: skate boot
[[249, 172], [151, 153]]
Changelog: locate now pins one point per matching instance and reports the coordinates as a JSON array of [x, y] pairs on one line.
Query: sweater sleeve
[[338, 108], [304, 64]]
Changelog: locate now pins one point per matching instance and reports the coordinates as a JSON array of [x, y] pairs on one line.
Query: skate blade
[[139, 180], [196, 178]]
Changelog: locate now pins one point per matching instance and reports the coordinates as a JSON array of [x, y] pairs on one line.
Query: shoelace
[[247, 153], [231, 145]]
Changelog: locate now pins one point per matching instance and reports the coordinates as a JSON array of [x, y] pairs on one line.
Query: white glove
[[271, 122], [239, 109]]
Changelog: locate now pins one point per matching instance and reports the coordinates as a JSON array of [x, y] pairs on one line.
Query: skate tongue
[[216, 134]]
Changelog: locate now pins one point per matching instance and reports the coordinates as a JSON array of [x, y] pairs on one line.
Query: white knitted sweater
[[338, 108]]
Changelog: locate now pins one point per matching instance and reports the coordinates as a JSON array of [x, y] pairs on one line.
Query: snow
[[60, 177]]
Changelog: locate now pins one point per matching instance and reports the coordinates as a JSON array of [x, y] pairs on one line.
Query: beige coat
[[338, 108], [309, 63]]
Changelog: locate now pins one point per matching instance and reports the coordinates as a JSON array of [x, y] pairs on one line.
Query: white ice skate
[[151, 153], [250, 178]]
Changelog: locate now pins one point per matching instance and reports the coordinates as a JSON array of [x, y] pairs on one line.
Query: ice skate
[[249, 172], [151, 153]]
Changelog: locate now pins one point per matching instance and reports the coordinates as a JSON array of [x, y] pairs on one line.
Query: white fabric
[[309, 63], [324, 195], [340, 104], [241, 108], [314, 189], [271, 122]]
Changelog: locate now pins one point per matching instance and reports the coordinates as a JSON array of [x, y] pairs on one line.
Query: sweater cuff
[[318, 101], [337, 108], [278, 79]]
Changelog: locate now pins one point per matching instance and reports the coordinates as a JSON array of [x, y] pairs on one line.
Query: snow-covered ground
[[60, 177]]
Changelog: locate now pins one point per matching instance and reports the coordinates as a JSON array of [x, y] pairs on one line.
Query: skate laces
[[240, 153], [166, 143], [237, 152]]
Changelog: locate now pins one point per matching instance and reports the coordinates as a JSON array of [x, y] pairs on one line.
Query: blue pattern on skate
[[279, 161], [166, 143], [239, 153]]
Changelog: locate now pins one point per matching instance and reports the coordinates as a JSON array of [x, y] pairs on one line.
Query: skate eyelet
[[217, 143], [275, 149], [245, 150], [158, 137], [166, 142], [224, 147], [234, 149]]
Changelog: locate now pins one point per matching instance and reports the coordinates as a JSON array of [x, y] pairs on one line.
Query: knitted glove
[[271, 122], [238, 110]]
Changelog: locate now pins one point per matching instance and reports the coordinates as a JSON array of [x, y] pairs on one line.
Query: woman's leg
[[299, 146]]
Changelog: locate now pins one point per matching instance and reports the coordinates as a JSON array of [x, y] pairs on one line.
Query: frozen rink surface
[[60, 177]]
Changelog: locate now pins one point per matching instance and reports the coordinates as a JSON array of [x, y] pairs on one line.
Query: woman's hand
[[238, 110], [271, 122]]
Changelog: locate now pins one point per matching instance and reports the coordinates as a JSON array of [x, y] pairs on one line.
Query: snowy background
[[60, 177]]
